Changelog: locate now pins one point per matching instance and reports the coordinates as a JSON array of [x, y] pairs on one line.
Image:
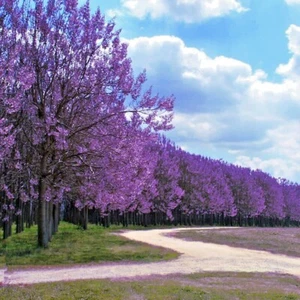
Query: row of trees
[[192, 189], [159, 183], [79, 133]]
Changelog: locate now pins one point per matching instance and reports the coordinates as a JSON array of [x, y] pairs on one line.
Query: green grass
[[187, 287], [72, 245]]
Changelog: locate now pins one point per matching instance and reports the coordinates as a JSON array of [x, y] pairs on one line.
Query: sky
[[234, 68]]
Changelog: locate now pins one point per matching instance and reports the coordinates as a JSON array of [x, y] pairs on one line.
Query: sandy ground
[[196, 257]]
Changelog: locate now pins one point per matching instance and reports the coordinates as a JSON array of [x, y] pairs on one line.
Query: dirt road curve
[[196, 257]]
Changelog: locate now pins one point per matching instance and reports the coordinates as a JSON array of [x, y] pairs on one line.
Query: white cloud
[[112, 13], [286, 140], [277, 167], [292, 2], [223, 105], [264, 93], [291, 69], [189, 11], [285, 145], [293, 34], [204, 83], [196, 126]]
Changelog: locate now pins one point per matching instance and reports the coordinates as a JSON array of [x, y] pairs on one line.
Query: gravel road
[[195, 257]]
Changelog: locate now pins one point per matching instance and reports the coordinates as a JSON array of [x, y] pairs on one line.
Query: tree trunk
[[50, 219], [84, 218], [7, 224], [55, 218], [5, 227], [19, 218], [42, 215]]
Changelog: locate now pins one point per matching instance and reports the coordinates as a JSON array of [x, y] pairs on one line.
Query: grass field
[[276, 240], [221, 286], [72, 245]]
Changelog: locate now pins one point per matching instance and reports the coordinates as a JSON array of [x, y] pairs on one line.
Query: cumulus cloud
[[202, 83], [211, 84], [293, 34], [277, 167], [286, 140], [223, 104], [189, 11], [291, 69], [274, 101], [285, 145], [220, 131], [203, 126]]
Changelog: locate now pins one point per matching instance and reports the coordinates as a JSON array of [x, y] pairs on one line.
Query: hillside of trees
[[80, 139]]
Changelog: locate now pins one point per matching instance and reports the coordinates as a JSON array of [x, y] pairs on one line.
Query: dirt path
[[196, 257]]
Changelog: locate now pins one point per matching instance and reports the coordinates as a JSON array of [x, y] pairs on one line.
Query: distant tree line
[[190, 189]]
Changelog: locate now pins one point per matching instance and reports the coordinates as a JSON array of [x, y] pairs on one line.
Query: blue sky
[[234, 67]]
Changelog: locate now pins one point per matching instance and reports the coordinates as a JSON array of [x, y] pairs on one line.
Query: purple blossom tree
[[207, 190], [167, 175], [272, 194], [291, 197], [247, 194], [68, 89]]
